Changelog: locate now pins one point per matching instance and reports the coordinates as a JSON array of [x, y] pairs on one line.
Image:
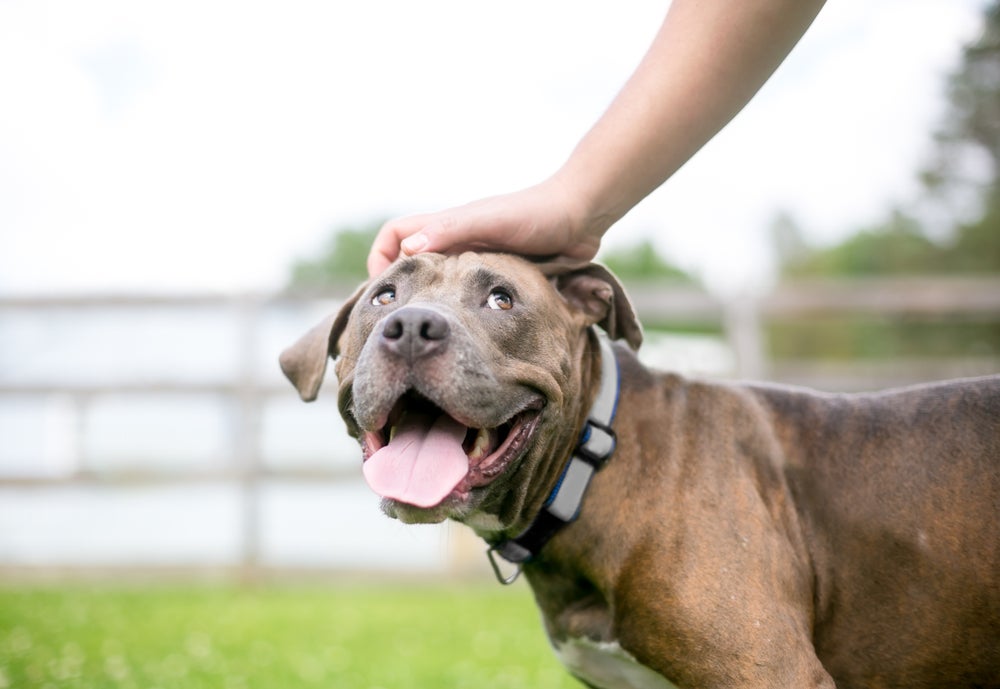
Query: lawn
[[282, 637]]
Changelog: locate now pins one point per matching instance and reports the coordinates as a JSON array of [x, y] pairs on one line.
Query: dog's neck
[[595, 446]]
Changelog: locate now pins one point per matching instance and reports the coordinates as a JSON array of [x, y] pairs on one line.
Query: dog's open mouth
[[423, 455]]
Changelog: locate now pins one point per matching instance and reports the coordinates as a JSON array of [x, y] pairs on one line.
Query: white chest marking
[[608, 665]]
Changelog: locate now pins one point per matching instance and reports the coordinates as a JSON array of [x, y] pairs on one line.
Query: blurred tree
[[976, 245], [968, 141], [643, 270], [965, 170], [963, 178], [342, 262], [643, 262], [897, 246]]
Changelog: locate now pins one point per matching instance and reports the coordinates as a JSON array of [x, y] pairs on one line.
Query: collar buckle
[[597, 443]]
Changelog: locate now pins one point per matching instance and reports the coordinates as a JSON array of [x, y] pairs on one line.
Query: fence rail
[[742, 321]]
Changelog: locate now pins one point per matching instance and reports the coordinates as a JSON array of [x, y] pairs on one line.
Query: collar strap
[[593, 449]]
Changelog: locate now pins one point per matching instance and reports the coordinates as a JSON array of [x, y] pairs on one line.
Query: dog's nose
[[414, 332]]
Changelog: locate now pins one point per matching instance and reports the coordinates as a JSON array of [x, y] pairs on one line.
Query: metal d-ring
[[505, 580]]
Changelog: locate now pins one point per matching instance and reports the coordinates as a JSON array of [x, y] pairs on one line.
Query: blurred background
[[186, 187]]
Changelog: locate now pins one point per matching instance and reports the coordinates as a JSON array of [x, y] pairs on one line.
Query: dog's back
[[899, 501]]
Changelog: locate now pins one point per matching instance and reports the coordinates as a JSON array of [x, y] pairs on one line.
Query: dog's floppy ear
[[304, 363], [595, 291]]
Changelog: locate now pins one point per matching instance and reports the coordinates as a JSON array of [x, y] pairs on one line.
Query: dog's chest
[[606, 665]]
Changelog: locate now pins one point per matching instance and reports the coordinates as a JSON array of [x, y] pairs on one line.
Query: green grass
[[348, 637]]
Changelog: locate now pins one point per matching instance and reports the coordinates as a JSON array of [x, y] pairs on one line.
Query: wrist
[[587, 214]]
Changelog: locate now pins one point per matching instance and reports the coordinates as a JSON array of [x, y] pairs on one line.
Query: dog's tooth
[[392, 432], [481, 447]]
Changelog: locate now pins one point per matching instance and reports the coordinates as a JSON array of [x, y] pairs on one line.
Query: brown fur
[[740, 535]]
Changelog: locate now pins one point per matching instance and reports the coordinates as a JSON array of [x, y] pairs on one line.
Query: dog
[[675, 532]]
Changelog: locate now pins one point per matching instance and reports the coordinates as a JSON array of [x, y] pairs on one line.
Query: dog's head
[[465, 379]]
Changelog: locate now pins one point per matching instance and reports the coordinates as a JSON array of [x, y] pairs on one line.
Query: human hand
[[706, 62], [541, 220]]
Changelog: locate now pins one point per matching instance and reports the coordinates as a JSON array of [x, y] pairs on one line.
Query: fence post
[[246, 443], [744, 331]]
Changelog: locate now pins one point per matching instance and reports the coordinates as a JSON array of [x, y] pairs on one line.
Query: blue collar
[[594, 448]]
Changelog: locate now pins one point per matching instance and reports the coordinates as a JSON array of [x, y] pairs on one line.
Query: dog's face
[[463, 378]]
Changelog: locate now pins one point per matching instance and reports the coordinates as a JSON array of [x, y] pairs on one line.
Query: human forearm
[[707, 61]]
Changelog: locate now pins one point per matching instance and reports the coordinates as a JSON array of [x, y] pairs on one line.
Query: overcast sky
[[203, 144]]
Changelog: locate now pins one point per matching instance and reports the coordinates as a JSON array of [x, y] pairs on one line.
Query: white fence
[[158, 433]]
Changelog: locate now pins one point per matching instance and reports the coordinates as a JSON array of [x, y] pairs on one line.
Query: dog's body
[[739, 536]]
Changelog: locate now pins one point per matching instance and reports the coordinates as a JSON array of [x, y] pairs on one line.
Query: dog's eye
[[500, 300], [385, 297]]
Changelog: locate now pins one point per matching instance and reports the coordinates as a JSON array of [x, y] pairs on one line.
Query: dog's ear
[[304, 363], [595, 291]]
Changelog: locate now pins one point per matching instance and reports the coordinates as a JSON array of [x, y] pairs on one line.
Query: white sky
[[203, 144]]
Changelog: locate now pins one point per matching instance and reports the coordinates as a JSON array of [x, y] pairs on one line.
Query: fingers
[[416, 234], [532, 222], [386, 247]]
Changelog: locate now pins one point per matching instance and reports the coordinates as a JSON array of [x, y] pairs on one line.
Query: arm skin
[[706, 62]]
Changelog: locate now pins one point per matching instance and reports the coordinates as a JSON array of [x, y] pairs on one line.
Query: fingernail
[[414, 243]]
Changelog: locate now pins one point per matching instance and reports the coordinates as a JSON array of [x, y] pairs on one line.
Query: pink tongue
[[422, 464]]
